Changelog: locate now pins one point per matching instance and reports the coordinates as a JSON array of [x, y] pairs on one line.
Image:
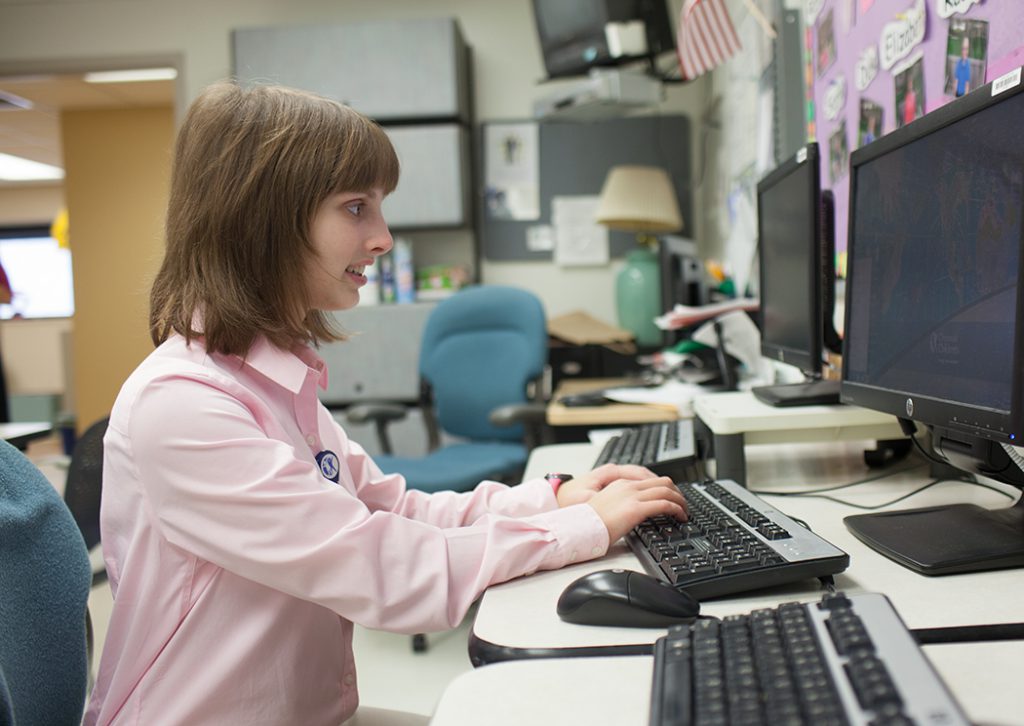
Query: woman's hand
[[624, 496], [579, 490]]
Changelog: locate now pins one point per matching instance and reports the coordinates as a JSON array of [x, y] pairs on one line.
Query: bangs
[[366, 160]]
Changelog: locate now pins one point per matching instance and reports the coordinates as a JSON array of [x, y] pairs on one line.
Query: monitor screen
[[794, 246], [38, 271], [933, 264], [933, 324]]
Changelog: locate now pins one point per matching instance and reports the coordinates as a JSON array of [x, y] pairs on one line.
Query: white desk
[[517, 619], [983, 677], [737, 418], [19, 434]]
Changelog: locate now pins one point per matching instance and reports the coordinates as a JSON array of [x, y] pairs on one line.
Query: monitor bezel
[[1000, 426], [809, 360]]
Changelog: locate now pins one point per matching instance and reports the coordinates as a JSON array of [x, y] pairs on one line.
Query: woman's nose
[[381, 242]]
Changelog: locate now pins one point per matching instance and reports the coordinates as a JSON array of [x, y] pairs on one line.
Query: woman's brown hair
[[251, 167]]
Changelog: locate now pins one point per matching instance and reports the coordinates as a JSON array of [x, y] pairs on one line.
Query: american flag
[[706, 36]]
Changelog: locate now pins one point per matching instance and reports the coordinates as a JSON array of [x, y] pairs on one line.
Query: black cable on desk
[[969, 633]]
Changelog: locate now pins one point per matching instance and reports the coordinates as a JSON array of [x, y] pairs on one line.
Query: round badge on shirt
[[329, 465]]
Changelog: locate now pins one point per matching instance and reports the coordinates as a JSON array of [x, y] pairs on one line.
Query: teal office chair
[[482, 350], [44, 592]]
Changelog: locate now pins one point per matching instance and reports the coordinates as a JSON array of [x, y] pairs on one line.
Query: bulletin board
[[573, 158], [878, 64]]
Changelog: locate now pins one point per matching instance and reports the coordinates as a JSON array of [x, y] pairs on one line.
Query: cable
[[908, 428], [817, 493], [969, 633], [858, 482]]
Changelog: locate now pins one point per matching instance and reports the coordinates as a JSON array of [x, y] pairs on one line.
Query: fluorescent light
[[14, 168], [135, 75]]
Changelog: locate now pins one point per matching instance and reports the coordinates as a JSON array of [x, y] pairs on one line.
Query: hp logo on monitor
[[910, 406]]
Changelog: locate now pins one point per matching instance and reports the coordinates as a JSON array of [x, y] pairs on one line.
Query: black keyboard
[[666, 448], [843, 660], [733, 542]]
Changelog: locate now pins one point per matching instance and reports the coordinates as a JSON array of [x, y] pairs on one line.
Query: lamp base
[[638, 296]]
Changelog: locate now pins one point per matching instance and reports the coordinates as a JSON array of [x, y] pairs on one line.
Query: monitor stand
[[947, 539], [815, 392]]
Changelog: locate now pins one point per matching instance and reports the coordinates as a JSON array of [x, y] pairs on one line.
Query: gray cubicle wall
[[575, 157], [379, 362]]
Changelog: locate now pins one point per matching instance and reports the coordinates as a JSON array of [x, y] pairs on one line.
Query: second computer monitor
[[795, 244]]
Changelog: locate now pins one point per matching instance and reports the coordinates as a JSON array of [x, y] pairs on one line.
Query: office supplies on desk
[[666, 448], [625, 598], [846, 659], [733, 542]]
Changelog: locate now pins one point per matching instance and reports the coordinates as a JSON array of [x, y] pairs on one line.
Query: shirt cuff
[[579, 534]]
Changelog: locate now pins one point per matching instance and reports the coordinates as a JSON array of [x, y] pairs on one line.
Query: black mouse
[[625, 598]]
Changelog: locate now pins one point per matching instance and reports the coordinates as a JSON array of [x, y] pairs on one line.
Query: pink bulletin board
[[877, 64]]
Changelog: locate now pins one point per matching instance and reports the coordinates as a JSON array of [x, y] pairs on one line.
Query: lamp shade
[[639, 199]]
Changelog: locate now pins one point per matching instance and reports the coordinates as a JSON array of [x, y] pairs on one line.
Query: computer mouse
[[625, 598]]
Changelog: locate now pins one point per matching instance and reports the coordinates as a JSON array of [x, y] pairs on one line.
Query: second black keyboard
[[733, 542], [667, 448], [843, 660]]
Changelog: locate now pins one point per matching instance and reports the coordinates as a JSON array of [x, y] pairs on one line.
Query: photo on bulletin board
[[909, 86], [838, 153], [870, 126], [826, 42], [966, 55]]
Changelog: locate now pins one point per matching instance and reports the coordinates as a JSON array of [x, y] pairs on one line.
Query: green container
[[638, 296]]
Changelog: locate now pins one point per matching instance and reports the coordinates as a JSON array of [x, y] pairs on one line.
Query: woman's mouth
[[356, 273]]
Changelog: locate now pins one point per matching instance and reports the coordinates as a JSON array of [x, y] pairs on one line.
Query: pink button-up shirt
[[238, 568]]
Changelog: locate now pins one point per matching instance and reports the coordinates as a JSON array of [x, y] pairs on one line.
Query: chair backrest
[[44, 592], [84, 487], [480, 349]]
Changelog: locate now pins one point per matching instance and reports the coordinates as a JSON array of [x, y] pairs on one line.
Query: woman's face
[[348, 232]]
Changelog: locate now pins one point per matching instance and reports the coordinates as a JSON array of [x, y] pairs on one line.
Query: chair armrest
[[381, 414], [514, 413], [375, 411], [532, 414]]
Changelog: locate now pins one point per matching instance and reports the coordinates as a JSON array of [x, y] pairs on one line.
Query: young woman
[[244, 532]]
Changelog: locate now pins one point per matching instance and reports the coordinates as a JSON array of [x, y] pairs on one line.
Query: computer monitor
[[933, 330], [572, 33], [38, 270], [796, 244]]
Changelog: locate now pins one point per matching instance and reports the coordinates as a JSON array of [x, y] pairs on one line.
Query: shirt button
[[596, 551], [349, 679], [574, 556], [311, 439]]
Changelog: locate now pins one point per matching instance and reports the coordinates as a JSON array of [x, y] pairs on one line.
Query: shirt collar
[[286, 368]]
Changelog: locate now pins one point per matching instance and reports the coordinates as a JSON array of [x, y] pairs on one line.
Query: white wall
[[195, 34]]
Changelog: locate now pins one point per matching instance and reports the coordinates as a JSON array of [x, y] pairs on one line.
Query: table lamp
[[640, 199]]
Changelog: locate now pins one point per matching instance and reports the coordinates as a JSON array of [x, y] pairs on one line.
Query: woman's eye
[[355, 208]]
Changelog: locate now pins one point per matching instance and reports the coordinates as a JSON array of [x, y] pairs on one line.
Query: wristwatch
[[557, 480]]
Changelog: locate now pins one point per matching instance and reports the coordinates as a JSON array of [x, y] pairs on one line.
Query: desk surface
[[19, 434], [519, 616], [611, 414]]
